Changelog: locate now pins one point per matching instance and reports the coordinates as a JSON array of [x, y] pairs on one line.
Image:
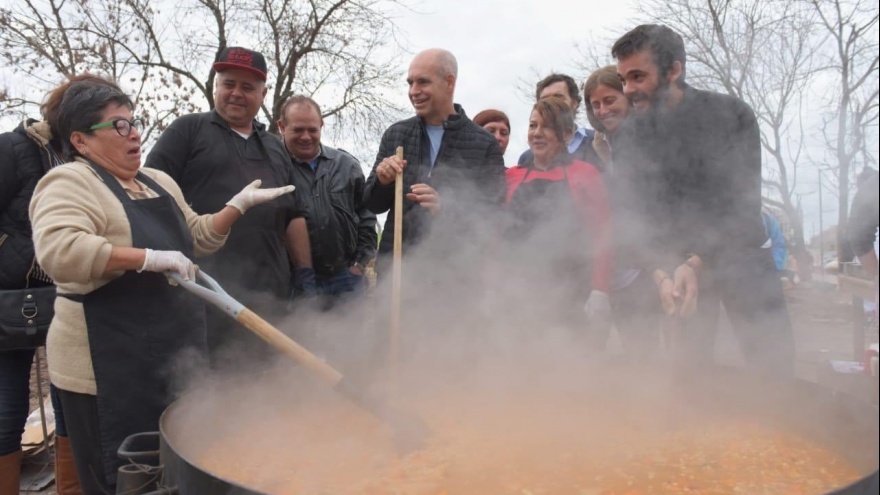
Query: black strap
[[114, 185]]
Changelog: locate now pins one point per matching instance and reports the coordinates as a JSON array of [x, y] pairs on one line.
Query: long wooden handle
[[396, 268], [288, 346]]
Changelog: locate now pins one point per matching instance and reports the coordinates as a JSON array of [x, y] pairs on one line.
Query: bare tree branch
[[341, 52]]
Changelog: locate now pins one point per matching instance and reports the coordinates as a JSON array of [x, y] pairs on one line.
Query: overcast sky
[[503, 46]]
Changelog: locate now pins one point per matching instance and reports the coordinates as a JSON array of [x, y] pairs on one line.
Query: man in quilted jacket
[[453, 170]]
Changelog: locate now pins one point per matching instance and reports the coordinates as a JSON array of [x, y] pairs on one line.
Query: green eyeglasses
[[122, 126]]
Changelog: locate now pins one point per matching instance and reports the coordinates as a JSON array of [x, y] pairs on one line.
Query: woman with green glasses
[[108, 232], [26, 155]]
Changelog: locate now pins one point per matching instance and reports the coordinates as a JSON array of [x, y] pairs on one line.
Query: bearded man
[[688, 204]]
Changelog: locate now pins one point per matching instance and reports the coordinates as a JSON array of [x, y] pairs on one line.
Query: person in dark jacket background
[[342, 232], [453, 170], [863, 220], [26, 154], [690, 177]]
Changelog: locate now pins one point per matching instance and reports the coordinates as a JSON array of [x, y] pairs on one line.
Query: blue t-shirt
[[435, 135]]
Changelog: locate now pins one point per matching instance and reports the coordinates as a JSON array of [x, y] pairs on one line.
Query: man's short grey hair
[[446, 63]]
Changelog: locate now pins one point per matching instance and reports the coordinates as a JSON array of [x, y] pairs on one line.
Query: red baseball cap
[[236, 57]]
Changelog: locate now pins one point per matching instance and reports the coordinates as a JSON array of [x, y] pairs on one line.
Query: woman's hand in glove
[[169, 261], [252, 195]]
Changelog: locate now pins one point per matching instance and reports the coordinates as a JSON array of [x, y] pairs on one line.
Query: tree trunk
[[844, 161], [799, 250]]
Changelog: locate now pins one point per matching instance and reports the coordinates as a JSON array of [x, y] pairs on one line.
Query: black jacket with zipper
[[342, 230], [212, 163], [468, 175], [24, 159], [688, 181]]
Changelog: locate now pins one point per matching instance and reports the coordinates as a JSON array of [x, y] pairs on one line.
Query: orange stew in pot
[[515, 446]]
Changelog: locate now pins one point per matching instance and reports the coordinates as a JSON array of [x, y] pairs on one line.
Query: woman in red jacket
[[559, 228]]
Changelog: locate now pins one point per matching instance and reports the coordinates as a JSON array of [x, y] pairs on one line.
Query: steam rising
[[493, 341]]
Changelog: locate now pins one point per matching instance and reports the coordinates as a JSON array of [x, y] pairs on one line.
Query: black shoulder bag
[[25, 315]]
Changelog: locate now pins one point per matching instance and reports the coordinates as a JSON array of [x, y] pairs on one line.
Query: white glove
[[252, 195], [598, 310], [169, 261]]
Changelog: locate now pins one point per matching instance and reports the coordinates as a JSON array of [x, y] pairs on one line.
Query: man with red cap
[[214, 153]]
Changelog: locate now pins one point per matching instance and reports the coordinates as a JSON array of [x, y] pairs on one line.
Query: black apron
[[552, 240], [549, 233], [138, 323]]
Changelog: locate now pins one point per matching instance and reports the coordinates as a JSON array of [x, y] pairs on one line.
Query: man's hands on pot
[[423, 194], [679, 293]]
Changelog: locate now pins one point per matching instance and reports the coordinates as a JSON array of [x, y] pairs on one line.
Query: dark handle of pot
[[140, 448], [137, 479]]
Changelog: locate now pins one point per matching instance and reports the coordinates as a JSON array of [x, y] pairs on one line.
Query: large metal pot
[[842, 423]]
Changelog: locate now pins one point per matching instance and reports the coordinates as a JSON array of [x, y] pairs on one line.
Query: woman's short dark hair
[[52, 103], [556, 112], [606, 76], [491, 115], [81, 108]]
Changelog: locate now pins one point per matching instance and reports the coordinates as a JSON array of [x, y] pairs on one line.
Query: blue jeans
[[15, 390], [343, 283], [339, 288], [332, 290]]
